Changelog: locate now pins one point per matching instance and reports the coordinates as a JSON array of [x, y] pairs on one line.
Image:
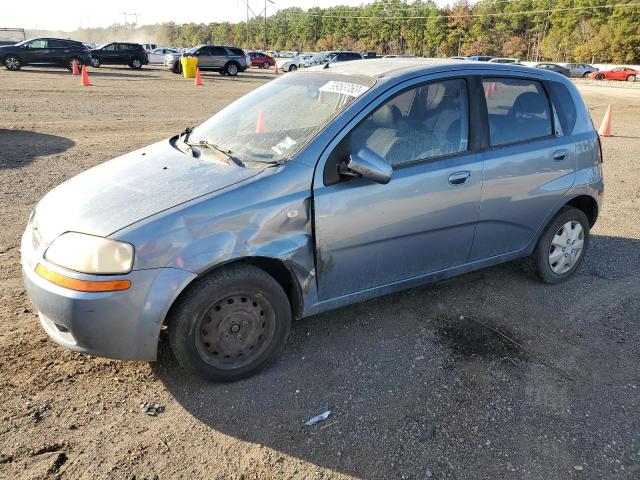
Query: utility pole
[[124, 14], [266, 41], [136, 15]]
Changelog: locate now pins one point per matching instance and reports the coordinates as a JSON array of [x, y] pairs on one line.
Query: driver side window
[[421, 123]]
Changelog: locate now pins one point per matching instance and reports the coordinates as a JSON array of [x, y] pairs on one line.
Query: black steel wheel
[[230, 324]]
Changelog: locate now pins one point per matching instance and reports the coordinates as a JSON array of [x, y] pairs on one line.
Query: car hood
[[122, 191]]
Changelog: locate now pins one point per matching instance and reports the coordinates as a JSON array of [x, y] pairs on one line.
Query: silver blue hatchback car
[[322, 188]]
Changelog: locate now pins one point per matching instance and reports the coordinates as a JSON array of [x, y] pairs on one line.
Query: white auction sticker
[[284, 145], [344, 88]]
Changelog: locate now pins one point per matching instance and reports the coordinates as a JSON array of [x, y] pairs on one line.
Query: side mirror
[[370, 165]]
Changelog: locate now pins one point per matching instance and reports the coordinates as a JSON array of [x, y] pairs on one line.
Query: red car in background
[[620, 73], [261, 60]]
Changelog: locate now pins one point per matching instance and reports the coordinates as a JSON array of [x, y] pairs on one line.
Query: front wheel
[[12, 63], [562, 246], [631, 78], [230, 324], [293, 68]]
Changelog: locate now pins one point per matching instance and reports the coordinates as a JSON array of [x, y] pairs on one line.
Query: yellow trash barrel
[[189, 65]]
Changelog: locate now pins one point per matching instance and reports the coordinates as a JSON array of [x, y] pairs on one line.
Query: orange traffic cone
[[74, 67], [260, 127], [198, 78], [85, 76], [605, 126]]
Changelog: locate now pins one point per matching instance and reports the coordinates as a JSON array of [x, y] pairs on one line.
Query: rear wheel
[[231, 69], [70, 63], [95, 62], [599, 76], [136, 63], [230, 324], [266, 65], [562, 246], [631, 78], [13, 63], [585, 75]]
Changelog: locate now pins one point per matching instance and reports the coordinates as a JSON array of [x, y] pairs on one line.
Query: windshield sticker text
[[344, 88], [284, 145]]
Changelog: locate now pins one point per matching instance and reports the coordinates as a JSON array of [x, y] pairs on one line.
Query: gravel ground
[[490, 375]]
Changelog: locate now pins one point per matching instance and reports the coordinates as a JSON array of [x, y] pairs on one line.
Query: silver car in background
[[579, 70], [317, 190]]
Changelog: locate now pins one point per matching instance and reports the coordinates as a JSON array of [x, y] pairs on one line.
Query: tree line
[[535, 30]]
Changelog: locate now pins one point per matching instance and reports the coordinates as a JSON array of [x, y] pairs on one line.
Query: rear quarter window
[[518, 110], [236, 51], [563, 105]]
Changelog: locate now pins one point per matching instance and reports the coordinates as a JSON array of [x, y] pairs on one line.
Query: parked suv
[[46, 52], [220, 58], [120, 53], [580, 70], [317, 190]]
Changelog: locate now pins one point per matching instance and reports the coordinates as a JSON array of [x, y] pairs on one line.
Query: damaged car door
[[421, 221]]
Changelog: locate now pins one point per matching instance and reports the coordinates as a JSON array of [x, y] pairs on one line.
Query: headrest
[[530, 103], [386, 116]]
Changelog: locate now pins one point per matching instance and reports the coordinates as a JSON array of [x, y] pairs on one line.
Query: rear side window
[[236, 51], [563, 105], [518, 110], [218, 51]]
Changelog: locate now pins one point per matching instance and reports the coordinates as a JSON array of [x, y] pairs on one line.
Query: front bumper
[[123, 325]]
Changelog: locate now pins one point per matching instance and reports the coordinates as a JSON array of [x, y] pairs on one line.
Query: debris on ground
[[429, 433], [151, 409], [318, 418], [428, 473]]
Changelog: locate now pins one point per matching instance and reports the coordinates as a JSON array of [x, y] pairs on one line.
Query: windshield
[[272, 123]]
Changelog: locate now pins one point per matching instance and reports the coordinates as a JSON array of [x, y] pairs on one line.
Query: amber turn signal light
[[81, 285]]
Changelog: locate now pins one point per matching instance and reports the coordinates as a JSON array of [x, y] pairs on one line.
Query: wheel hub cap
[[566, 247], [235, 331]]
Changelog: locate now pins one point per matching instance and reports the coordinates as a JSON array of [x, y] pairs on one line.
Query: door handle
[[459, 178], [559, 155]]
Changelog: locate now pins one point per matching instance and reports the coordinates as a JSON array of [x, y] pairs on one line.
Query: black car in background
[[554, 67], [46, 52], [120, 53]]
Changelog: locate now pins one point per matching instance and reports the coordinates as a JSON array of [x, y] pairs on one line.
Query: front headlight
[[90, 254]]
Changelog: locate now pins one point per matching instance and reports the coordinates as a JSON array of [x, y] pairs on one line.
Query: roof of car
[[395, 67]]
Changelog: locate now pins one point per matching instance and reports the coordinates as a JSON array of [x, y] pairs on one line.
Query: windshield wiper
[[213, 146]]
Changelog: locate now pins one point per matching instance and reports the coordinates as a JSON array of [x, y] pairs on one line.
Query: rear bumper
[[123, 325]]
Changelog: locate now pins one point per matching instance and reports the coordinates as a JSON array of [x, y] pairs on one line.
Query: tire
[[231, 69], [599, 76], [631, 78], [551, 246], [222, 72], [136, 63], [95, 62], [70, 63], [230, 324], [11, 62], [266, 65], [585, 75], [293, 68]]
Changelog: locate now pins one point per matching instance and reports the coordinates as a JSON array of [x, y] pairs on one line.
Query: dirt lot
[[415, 391]]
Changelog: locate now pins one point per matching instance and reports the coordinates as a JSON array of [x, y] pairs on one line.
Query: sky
[[71, 14]]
